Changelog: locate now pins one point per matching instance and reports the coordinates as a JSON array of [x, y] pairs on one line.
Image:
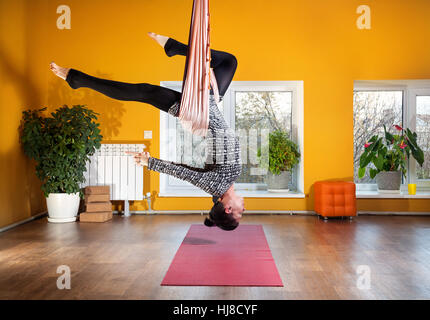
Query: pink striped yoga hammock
[[198, 75]]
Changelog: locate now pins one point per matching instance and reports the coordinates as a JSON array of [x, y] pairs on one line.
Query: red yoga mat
[[214, 257]]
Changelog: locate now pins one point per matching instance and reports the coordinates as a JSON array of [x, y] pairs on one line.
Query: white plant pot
[[389, 181], [278, 183], [62, 207]]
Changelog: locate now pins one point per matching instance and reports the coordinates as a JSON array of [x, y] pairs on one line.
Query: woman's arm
[[211, 179], [177, 170]]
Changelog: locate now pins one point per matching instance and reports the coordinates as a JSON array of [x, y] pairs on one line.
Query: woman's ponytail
[[209, 223]]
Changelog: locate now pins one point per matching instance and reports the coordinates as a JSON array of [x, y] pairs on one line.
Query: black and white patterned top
[[223, 162]]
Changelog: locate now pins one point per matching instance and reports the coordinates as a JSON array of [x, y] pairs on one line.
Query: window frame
[[296, 89], [170, 186], [412, 100], [409, 89]]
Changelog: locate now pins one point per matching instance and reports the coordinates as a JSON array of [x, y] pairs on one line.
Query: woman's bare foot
[[161, 40], [59, 71]]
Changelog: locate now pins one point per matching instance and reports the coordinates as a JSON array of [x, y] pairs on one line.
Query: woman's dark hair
[[218, 217]]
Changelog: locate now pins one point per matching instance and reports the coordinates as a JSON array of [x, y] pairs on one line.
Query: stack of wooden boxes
[[97, 204]]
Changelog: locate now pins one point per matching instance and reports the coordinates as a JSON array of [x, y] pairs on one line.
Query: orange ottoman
[[335, 199]]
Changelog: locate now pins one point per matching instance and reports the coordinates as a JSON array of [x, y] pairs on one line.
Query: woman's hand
[[141, 158]]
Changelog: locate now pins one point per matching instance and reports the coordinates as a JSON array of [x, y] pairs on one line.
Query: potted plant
[[389, 156], [283, 155], [61, 146]]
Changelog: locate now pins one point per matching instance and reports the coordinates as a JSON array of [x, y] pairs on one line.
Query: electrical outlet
[[147, 135]]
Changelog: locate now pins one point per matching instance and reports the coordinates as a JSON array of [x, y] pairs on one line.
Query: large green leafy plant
[[283, 153], [390, 153], [61, 145]]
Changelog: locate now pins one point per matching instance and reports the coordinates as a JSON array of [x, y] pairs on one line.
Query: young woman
[[222, 166]]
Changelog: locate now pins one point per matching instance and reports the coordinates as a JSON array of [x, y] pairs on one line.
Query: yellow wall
[[20, 88], [310, 40]]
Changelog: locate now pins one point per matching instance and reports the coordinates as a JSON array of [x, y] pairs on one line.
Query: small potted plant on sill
[[283, 155], [389, 155], [61, 146]]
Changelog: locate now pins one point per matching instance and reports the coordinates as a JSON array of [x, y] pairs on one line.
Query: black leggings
[[224, 65]]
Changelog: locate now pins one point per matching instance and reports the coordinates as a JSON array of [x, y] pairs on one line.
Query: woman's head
[[218, 216], [233, 204]]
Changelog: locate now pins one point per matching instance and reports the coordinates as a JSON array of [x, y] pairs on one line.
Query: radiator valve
[[148, 199]]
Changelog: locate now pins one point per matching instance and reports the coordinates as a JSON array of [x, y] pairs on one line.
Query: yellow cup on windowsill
[[412, 188]]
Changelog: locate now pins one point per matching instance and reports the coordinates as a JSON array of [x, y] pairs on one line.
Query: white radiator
[[111, 166]]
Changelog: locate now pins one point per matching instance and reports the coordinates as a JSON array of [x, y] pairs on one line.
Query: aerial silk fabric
[[198, 75]]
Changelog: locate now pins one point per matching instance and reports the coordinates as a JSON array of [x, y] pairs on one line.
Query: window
[[252, 109], [423, 132], [419, 100], [372, 110], [258, 110], [402, 102]]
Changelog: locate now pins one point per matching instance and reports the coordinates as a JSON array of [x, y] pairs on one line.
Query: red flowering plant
[[390, 153]]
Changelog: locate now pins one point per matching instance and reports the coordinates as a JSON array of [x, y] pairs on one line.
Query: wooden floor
[[127, 258]]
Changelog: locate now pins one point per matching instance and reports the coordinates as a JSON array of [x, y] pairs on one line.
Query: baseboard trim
[[393, 213], [276, 212], [256, 212], [205, 212], [16, 224]]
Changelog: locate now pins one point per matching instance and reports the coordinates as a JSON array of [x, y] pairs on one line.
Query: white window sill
[[242, 193], [401, 195], [291, 194], [267, 194]]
